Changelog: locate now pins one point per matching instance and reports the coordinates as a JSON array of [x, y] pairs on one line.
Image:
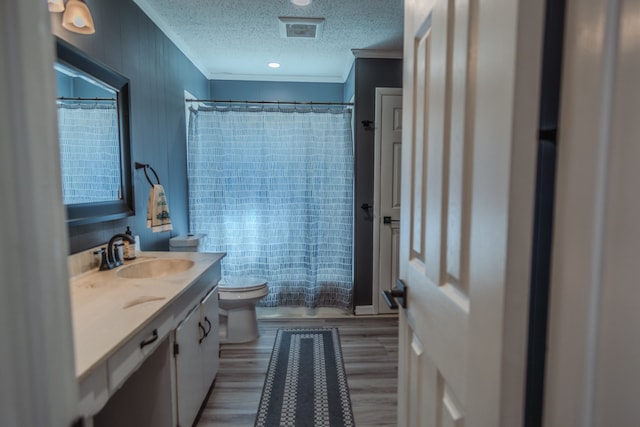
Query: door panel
[[449, 198], [436, 108], [458, 154], [451, 411], [210, 345], [418, 127], [188, 371]]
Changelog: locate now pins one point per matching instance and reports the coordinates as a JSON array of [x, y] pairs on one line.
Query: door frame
[[377, 180], [39, 384], [591, 369]]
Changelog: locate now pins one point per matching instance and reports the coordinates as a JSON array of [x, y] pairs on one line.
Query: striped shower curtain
[[274, 190], [89, 152]]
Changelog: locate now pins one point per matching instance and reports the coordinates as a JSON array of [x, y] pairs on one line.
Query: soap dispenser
[[129, 249]]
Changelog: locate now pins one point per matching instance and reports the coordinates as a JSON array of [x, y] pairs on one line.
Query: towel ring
[[144, 167]]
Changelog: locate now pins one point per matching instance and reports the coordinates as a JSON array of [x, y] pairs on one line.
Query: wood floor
[[370, 352]]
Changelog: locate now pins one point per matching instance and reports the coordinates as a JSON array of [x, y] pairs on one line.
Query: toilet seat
[[241, 283]]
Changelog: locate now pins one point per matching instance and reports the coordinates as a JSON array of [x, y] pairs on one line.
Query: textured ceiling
[[235, 39]]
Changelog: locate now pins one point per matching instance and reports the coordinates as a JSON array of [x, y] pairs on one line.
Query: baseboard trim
[[301, 312], [365, 310]]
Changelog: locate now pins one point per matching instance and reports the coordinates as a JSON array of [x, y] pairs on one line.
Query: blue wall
[[350, 84], [70, 87], [240, 90], [127, 41], [64, 85]]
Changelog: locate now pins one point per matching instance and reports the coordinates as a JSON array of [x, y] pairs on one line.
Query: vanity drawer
[[129, 357]]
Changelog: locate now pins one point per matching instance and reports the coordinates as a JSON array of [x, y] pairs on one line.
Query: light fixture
[[301, 2], [273, 65], [55, 5], [77, 18]]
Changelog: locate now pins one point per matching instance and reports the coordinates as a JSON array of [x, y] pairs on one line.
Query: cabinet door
[[189, 381], [209, 315]]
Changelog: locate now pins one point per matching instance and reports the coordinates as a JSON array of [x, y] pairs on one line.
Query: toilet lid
[[241, 283]]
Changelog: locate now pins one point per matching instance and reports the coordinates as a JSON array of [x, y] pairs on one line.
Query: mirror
[[93, 131]]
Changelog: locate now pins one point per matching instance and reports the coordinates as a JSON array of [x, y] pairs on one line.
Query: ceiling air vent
[[300, 28]]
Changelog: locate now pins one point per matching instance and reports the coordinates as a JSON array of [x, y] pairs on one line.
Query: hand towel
[[157, 210]]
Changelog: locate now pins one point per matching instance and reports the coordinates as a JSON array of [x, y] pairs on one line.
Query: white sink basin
[[155, 268]]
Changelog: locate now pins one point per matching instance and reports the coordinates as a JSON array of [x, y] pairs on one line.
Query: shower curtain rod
[[62, 98], [229, 101]]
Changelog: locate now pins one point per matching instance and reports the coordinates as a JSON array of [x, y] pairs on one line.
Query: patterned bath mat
[[306, 384]]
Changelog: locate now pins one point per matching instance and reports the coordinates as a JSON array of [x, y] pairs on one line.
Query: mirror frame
[[86, 213]]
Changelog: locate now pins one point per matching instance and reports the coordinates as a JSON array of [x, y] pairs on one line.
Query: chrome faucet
[[110, 257]]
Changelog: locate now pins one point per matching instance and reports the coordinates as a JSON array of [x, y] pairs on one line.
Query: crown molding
[[377, 53]]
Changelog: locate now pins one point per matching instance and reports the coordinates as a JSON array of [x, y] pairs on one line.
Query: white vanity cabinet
[[146, 349], [196, 357]]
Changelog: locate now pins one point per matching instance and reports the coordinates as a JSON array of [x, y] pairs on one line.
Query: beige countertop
[[108, 310]]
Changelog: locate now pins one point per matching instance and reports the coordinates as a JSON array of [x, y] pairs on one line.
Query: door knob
[[399, 294]]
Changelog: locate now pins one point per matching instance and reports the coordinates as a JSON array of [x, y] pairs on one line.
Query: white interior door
[[468, 166], [386, 198]]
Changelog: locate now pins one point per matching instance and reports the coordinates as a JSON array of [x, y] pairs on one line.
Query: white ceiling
[[235, 39]]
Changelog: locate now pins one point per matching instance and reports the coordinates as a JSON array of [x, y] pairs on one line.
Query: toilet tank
[[187, 243]]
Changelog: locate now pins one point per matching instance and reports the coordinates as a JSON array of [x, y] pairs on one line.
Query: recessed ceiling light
[[301, 2], [273, 65]]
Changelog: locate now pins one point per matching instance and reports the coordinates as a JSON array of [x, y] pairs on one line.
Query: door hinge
[[176, 349], [388, 220], [548, 134]]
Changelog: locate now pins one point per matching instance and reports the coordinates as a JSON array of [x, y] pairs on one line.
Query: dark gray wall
[[127, 41], [369, 74]]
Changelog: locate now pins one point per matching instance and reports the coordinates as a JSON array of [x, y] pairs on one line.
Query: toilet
[[238, 296], [187, 243], [237, 307]]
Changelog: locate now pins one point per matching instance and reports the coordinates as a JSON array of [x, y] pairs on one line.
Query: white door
[[470, 129], [386, 193]]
